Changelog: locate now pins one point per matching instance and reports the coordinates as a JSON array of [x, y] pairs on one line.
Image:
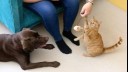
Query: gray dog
[[17, 47]]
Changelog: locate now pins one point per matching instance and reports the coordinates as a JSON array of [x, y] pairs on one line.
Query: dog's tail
[[111, 48]]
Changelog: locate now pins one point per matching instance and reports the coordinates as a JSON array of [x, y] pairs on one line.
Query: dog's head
[[31, 40]]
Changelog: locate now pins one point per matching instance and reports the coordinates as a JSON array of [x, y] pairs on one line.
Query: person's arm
[[86, 9], [31, 1]]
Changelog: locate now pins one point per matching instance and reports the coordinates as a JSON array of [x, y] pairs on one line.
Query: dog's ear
[[26, 44]]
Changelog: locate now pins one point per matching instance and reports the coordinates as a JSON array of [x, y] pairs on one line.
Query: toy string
[[85, 18]]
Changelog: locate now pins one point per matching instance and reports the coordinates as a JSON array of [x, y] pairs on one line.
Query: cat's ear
[[89, 23], [94, 18], [100, 22]]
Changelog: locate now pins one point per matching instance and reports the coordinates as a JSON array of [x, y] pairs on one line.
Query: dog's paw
[[49, 46], [55, 64]]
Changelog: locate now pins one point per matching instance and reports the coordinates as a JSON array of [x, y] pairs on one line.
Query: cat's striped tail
[[111, 48]]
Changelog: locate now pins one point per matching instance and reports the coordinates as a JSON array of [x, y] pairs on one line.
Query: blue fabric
[[9, 12], [47, 11], [15, 17]]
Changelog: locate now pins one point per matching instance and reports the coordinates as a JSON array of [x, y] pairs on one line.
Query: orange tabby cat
[[93, 40]]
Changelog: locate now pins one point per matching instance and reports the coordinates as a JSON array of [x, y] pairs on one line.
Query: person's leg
[[50, 18], [71, 8]]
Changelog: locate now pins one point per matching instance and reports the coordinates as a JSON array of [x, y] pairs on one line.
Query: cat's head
[[94, 24]]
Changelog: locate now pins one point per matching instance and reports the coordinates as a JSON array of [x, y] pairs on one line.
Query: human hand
[[86, 9]]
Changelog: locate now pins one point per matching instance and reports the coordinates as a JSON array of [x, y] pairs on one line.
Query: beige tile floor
[[114, 24]]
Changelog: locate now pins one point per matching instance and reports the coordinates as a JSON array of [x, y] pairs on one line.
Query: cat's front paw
[[77, 28]]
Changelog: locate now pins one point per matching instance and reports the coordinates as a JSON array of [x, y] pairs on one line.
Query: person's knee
[[72, 3], [45, 8], [75, 3]]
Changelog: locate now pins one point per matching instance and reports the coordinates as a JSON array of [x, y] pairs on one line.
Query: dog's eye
[[28, 39], [36, 34]]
